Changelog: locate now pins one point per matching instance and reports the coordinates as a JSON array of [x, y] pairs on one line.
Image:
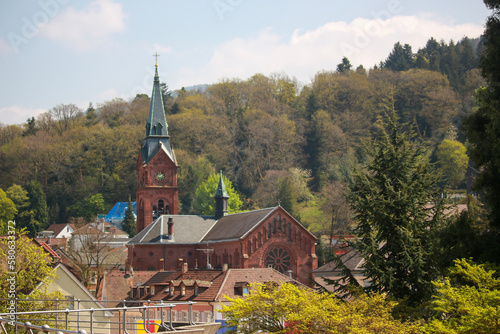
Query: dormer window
[[241, 288]]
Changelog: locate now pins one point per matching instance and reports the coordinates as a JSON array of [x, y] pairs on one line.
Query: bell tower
[[157, 191]]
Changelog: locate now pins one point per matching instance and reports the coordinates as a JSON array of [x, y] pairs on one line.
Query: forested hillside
[[275, 138]]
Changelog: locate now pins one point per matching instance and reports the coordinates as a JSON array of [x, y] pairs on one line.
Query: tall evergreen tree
[[39, 218], [400, 59], [390, 202], [482, 128], [129, 224]]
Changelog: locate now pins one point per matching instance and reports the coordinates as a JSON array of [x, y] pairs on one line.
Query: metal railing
[[91, 320]]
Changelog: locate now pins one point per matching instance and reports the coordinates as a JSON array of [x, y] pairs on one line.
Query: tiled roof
[[159, 277], [58, 228], [235, 226], [236, 277], [117, 284], [187, 229]]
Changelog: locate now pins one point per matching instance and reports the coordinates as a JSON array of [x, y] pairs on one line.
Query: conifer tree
[[482, 128], [391, 203], [39, 214], [129, 224]]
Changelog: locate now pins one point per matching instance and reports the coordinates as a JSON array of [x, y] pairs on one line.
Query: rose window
[[279, 259]]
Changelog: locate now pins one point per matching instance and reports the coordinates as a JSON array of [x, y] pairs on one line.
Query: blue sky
[[70, 51]]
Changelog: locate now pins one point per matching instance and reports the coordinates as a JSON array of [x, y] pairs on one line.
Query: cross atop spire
[[156, 55]]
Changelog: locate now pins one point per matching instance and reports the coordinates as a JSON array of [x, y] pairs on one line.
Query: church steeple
[[157, 191], [156, 126], [221, 199]]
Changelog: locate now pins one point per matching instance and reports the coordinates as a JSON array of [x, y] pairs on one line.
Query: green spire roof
[[156, 126], [221, 189]]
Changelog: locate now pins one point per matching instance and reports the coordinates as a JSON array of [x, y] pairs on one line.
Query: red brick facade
[[157, 191], [286, 246]]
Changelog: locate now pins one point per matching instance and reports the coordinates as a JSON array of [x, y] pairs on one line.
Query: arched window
[[161, 207], [268, 230], [274, 225], [155, 212]]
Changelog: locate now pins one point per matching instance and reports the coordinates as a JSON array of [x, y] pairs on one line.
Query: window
[[279, 259], [161, 207], [155, 212], [183, 290], [172, 290]]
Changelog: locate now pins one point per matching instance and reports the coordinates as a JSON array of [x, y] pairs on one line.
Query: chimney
[[184, 267], [170, 227], [224, 267]]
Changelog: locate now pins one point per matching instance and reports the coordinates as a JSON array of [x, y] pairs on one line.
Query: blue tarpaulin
[[117, 213]]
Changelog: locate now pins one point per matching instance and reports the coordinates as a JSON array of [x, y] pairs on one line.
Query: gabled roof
[[238, 277], [188, 229], [211, 279], [58, 228], [236, 225], [117, 284]]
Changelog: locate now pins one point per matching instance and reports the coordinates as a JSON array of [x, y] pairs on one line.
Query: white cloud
[[17, 114], [87, 28], [5, 47], [363, 41]]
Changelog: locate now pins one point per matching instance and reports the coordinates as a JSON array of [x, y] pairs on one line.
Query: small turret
[[221, 199]]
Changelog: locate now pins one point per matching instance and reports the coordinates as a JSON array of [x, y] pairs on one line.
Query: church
[[167, 241]]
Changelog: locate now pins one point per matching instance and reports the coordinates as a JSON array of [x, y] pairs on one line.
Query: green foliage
[[38, 217], [483, 126], [204, 202], [400, 59], [288, 308], [390, 203], [453, 161], [129, 224], [467, 301], [249, 128], [7, 211], [32, 266], [90, 207]]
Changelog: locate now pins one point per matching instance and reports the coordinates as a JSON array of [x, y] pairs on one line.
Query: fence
[[68, 316]]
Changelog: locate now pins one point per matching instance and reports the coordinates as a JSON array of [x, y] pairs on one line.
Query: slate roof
[[352, 260], [156, 127], [237, 225], [188, 229]]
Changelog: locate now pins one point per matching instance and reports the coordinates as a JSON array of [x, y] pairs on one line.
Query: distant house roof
[[352, 260], [117, 213], [100, 227], [56, 229]]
